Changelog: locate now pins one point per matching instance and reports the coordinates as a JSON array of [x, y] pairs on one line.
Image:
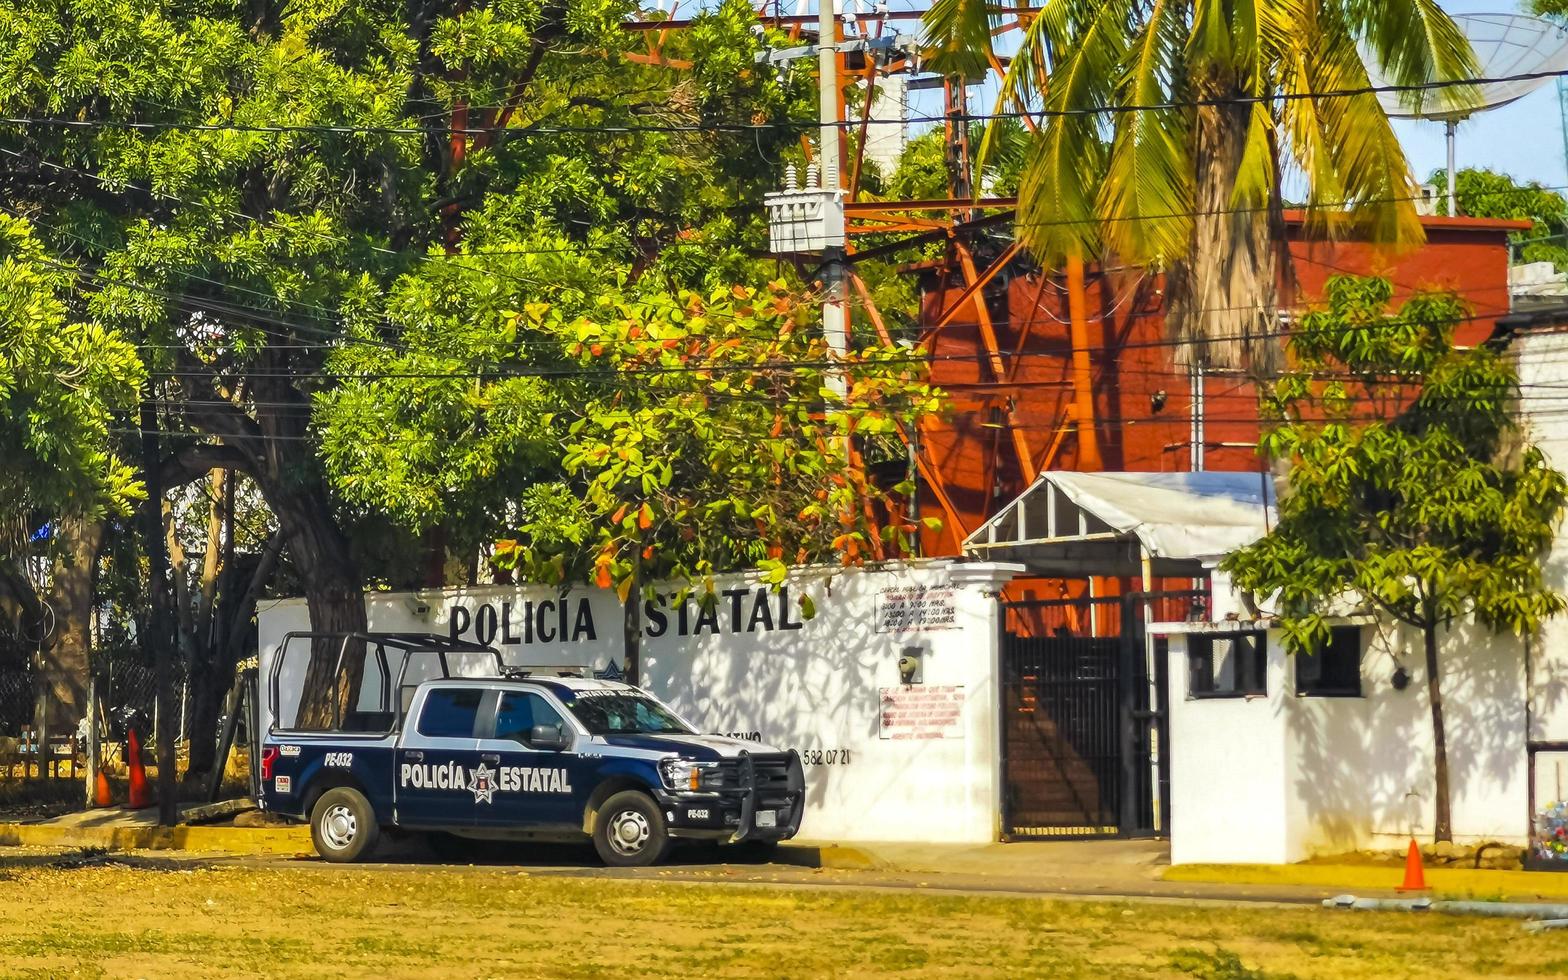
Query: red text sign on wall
[[922, 711]]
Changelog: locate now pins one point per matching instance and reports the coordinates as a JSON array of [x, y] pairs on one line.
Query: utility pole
[[835, 326]]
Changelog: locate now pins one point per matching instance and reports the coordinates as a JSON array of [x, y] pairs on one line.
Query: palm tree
[[1239, 89]]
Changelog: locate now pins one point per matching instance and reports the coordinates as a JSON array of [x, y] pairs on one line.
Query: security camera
[[909, 665], [417, 607], [757, 30]]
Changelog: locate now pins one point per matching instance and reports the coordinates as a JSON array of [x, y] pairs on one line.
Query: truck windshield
[[618, 713]]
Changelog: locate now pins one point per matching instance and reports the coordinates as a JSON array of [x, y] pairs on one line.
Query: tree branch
[[192, 463]]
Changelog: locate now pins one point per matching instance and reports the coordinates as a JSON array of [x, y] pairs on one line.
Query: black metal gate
[[1084, 723]]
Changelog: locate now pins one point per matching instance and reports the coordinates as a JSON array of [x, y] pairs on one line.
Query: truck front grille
[[770, 772]]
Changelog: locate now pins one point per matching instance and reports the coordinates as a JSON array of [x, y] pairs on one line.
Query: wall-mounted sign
[[921, 711], [580, 618], [916, 608]]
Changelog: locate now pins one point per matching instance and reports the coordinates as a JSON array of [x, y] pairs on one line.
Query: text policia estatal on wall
[[571, 619]]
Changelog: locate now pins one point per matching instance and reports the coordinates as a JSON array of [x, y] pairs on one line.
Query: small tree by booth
[[707, 437], [1410, 486]]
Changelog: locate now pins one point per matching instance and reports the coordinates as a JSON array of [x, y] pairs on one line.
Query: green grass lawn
[[312, 921]]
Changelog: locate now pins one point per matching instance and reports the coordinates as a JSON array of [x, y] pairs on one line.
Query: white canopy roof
[[1076, 524]]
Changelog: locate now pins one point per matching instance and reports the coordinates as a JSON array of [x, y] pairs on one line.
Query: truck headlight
[[684, 774]]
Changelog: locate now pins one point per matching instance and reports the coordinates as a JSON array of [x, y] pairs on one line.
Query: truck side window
[[450, 713], [520, 711]]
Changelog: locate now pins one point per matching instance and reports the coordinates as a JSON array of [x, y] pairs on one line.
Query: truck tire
[[343, 826], [629, 831]]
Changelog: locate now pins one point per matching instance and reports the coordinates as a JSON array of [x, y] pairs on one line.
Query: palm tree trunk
[[1443, 824], [1224, 296]]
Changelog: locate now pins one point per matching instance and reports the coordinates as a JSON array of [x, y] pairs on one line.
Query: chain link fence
[[126, 691]]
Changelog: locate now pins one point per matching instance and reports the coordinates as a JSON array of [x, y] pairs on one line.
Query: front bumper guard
[[794, 792]]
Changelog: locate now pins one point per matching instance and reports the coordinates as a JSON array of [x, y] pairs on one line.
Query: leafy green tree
[[922, 167], [280, 201], [709, 438], [1410, 488], [63, 384], [1193, 182], [1487, 194]]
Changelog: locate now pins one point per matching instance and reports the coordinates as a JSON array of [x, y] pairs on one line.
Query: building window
[[1226, 665], [1334, 668]]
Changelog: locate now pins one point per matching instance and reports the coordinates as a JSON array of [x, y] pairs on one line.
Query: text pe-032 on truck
[[547, 754]]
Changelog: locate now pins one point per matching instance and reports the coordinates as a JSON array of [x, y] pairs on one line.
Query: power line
[[747, 127]]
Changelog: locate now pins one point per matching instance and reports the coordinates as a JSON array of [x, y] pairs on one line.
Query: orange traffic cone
[[140, 795], [1415, 875], [101, 794]]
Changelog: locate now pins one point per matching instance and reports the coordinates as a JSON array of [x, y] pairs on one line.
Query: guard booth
[[1084, 736]]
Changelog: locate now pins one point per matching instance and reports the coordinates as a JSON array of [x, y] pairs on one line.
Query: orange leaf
[[619, 515], [602, 579], [645, 517], [647, 553]]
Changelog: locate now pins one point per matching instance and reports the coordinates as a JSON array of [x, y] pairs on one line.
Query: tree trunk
[[208, 680], [1224, 295], [333, 596], [65, 657], [631, 632], [1442, 828], [160, 632]]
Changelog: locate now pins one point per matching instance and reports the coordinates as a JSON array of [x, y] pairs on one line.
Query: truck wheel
[[628, 831], [343, 826]]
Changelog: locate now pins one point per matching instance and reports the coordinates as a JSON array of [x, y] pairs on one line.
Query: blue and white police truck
[[542, 754]]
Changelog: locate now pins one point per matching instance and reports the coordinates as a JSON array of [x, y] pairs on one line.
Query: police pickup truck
[[516, 755]]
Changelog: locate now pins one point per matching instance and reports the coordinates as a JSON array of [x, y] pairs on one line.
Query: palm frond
[[956, 37], [1414, 42], [1147, 192], [1057, 192], [1354, 164]]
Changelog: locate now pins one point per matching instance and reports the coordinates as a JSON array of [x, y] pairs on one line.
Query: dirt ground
[[107, 919]]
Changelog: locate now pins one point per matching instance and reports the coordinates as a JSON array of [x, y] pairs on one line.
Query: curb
[[1468, 882], [807, 855], [296, 840], [226, 840]]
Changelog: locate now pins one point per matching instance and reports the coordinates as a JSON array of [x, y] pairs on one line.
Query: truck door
[[536, 785], [438, 761]]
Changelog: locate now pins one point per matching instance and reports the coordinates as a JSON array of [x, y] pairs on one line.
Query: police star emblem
[[482, 782]]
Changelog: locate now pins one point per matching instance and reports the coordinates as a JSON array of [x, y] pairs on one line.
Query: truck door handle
[[492, 757], [415, 755]]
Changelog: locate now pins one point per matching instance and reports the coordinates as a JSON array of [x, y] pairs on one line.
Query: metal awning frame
[[1075, 543]]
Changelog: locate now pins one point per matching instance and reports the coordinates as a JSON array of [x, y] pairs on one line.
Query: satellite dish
[[1505, 45]]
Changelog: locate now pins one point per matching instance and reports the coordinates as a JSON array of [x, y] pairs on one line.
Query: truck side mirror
[[548, 737]]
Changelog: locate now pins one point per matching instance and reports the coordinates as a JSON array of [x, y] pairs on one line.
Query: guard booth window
[[1333, 669], [1226, 665]]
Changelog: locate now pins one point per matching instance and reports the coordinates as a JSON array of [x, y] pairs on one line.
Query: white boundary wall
[[1282, 777], [760, 668]]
